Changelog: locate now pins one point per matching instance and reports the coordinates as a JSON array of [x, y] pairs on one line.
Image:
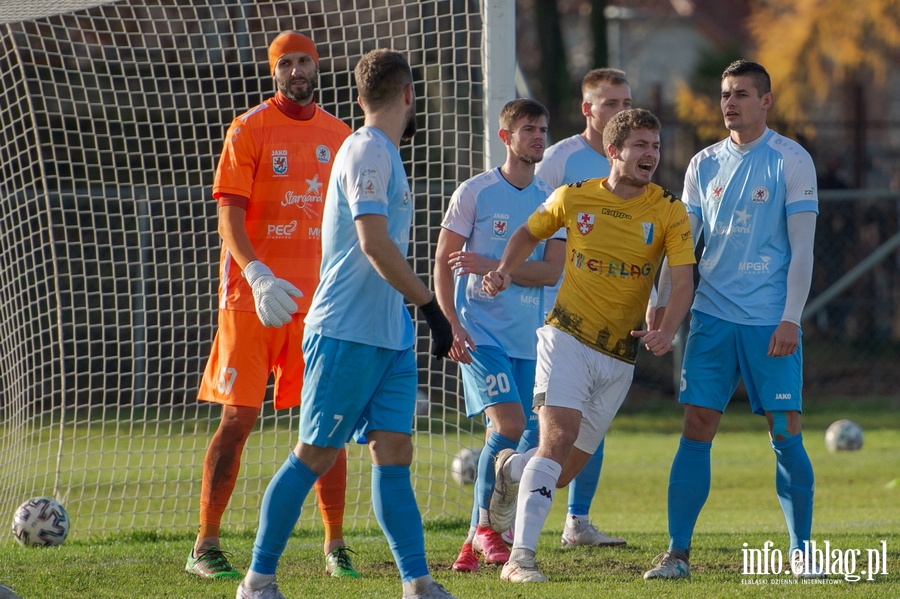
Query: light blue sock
[[529, 440], [485, 479], [279, 513], [398, 515], [584, 486], [794, 480], [689, 482]]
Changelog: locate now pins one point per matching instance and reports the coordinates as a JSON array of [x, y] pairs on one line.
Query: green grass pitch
[[857, 508]]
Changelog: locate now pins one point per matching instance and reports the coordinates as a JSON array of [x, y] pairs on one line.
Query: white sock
[[255, 580], [518, 462], [417, 585], [536, 493]]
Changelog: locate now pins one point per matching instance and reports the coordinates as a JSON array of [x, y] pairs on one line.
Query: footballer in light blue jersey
[[743, 200], [495, 338], [361, 371], [571, 160], [486, 210], [368, 178], [754, 195]]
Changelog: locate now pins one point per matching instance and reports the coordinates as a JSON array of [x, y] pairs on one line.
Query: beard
[[302, 96], [533, 159], [411, 126]]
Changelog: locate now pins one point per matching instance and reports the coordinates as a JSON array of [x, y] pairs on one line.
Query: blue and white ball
[[465, 466], [843, 435], [40, 522]]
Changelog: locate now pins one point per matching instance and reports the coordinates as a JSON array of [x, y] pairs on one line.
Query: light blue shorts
[[719, 354], [351, 388], [494, 378]]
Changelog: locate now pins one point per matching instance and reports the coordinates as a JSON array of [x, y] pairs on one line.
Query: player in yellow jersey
[[619, 229]]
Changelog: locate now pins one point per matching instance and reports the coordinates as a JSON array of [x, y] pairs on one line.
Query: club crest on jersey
[[716, 193], [323, 154], [648, 233], [585, 222], [760, 195], [501, 227], [279, 162]]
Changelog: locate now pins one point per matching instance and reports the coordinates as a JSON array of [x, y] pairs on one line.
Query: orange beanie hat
[[291, 41]]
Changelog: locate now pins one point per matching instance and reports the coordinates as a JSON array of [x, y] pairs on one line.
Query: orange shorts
[[245, 352]]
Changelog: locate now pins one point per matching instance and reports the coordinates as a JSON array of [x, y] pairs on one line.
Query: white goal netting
[[113, 118]]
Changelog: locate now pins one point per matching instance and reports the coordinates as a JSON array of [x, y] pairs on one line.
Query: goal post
[[114, 117]]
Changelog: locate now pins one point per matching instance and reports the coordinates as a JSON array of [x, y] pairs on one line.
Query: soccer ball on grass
[[40, 522], [465, 466], [843, 435]]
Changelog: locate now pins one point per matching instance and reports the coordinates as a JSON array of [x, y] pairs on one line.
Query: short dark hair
[[761, 80], [617, 129], [523, 107], [381, 76]]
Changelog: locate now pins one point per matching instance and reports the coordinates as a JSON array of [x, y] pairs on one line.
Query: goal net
[[114, 116]]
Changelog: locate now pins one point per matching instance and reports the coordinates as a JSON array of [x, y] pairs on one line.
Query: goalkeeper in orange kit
[[269, 184]]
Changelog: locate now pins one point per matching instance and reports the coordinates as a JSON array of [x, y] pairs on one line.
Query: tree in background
[[542, 51], [812, 49]]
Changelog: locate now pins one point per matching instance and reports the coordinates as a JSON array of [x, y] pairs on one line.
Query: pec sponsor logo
[[279, 162], [283, 230]]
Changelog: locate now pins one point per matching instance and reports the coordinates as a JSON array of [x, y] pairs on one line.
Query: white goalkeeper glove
[[272, 296]]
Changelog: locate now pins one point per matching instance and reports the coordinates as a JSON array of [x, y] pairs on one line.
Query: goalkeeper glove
[[272, 296], [441, 331]]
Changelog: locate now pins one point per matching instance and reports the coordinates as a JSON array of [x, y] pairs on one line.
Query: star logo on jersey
[[323, 154], [585, 223], [743, 217], [314, 185], [501, 227], [760, 195]]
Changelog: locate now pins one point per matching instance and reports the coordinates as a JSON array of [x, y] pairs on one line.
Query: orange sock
[[220, 469], [331, 489]]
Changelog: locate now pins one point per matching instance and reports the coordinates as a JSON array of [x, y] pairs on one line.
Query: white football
[[40, 522], [465, 466], [843, 435]]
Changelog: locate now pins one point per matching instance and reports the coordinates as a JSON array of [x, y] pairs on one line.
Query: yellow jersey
[[614, 248]]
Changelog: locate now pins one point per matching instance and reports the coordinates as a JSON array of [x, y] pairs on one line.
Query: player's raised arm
[[520, 246]]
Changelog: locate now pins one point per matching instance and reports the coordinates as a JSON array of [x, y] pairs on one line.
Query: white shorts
[[573, 375]]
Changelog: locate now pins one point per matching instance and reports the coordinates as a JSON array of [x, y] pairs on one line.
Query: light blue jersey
[[571, 160], [568, 161], [743, 200], [486, 210], [367, 178]]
